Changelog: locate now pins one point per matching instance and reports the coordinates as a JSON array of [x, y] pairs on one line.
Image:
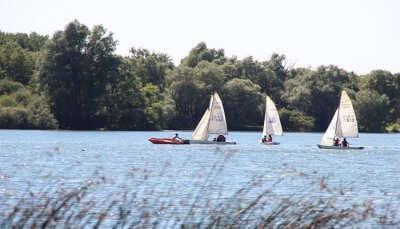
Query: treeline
[[75, 80]]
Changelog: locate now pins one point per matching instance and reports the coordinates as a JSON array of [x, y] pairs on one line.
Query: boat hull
[[167, 141], [341, 147], [270, 143], [211, 142]]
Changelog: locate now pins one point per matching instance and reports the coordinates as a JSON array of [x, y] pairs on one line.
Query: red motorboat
[[167, 141]]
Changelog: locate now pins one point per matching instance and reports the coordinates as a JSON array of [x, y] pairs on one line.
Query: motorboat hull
[[167, 141]]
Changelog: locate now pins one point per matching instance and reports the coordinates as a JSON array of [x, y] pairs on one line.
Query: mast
[[211, 104], [337, 118], [266, 116]]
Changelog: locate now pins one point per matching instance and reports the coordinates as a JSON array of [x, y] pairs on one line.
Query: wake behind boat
[[343, 125], [272, 123], [212, 122]]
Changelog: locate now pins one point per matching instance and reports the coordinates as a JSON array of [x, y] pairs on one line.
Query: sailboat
[[272, 123], [342, 125], [212, 122]]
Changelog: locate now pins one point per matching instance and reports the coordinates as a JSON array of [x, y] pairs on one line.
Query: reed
[[254, 205]]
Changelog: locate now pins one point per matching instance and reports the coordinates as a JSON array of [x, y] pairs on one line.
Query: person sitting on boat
[[336, 142], [345, 143], [176, 137], [269, 139], [221, 138], [264, 139]]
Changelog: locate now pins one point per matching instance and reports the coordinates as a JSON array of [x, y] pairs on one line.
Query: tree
[[21, 109], [189, 96], [75, 70], [372, 109], [261, 75], [122, 106], [33, 42], [243, 103], [151, 67], [384, 83], [317, 93], [293, 120], [201, 53], [210, 75], [15, 63]]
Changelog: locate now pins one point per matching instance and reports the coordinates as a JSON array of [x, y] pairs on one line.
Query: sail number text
[[349, 118], [218, 118]]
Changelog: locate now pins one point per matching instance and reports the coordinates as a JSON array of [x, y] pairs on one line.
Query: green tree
[[293, 120], [189, 96], [21, 109], [243, 103], [201, 53], [385, 83], [261, 75], [122, 106], [316, 93], [372, 109], [15, 63], [33, 42], [151, 67], [75, 70]]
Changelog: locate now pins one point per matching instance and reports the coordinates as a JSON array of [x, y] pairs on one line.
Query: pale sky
[[357, 35]]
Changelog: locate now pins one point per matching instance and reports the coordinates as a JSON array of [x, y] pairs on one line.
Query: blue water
[[38, 160]]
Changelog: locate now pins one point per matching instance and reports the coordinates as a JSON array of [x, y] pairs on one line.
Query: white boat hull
[[341, 147], [270, 143], [210, 142]]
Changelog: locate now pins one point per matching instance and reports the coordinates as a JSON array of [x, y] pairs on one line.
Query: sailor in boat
[[336, 142], [345, 143], [221, 138], [264, 139], [176, 137]]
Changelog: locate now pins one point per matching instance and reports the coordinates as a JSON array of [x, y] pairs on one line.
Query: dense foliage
[[75, 80]]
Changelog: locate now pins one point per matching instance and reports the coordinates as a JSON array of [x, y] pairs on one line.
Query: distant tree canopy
[[75, 80]]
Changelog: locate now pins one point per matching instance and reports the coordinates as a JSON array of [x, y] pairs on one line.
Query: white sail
[[217, 123], [272, 123], [201, 132], [347, 118], [329, 135], [343, 124], [212, 122]]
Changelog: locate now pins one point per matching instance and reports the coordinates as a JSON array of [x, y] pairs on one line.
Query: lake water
[[37, 160]]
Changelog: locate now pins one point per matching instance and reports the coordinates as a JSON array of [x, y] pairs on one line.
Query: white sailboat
[[342, 125], [212, 122], [272, 123]]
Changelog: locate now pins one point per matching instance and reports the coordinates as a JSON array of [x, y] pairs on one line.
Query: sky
[[356, 35]]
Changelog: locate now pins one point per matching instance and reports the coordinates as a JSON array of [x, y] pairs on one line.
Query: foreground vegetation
[[74, 80], [252, 206]]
